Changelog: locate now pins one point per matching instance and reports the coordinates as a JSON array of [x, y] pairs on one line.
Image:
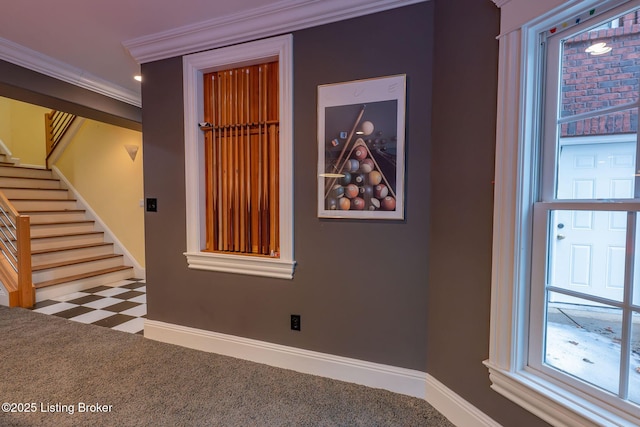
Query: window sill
[[237, 264], [552, 403]]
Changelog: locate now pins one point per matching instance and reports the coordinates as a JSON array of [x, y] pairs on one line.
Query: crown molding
[[273, 19], [43, 64]]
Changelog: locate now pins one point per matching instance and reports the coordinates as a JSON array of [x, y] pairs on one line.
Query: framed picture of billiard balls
[[361, 129]]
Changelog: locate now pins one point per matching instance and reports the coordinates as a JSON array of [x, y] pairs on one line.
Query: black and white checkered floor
[[121, 306]]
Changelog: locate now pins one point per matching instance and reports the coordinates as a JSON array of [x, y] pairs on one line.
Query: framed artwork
[[361, 128]]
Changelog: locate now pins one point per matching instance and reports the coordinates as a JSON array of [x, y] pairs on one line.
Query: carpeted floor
[[72, 374]]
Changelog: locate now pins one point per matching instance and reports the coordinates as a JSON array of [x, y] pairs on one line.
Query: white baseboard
[[399, 380]]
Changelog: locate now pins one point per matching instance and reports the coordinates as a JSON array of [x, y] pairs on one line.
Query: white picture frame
[[361, 148]]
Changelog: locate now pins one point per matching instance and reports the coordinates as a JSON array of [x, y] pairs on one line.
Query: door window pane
[[597, 167], [587, 253]]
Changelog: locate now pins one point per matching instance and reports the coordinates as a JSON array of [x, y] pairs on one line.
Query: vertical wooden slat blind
[[241, 151]]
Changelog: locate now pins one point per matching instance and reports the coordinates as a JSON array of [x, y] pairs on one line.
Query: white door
[[588, 248]]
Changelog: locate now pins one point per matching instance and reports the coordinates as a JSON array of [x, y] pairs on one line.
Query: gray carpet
[[56, 365]]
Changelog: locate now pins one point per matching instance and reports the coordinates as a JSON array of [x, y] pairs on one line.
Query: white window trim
[[194, 66], [515, 176]]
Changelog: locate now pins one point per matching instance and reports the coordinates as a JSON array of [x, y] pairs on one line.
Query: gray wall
[[360, 286], [462, 172], [412, 293]]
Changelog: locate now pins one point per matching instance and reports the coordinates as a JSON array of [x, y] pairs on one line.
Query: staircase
[[68, 252]]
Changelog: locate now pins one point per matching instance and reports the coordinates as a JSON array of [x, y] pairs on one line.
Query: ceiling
[[89, 35], [90, 43]]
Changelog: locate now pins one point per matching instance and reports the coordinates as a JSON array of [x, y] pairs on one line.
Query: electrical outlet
[[295, 322], [152, 205]]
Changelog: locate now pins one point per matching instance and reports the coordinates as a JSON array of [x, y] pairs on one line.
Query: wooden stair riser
[[65, 241], [76, 268], [45, 293], [44, 205], [63, 255], [35, 193], [44, 217], [19, 182], [53, 229], [25, 172]]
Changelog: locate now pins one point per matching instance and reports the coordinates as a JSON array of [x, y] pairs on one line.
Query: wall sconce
[[132, 150]]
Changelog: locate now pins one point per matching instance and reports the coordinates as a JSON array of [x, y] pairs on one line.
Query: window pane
[[634, 365], [624, 122], [583, 340], [605, 77], [635, 294], [587, 253]]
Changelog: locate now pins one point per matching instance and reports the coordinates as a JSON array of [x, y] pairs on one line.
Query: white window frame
[[517, 135], [194, 67]]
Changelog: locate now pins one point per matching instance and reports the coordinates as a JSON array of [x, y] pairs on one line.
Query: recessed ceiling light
[[138, 77], [598, 49]]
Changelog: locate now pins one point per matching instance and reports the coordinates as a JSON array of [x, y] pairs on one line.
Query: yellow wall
[[22, 131], [5, 121], [98, 166]]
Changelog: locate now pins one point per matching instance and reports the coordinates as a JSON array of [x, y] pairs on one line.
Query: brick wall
[[599, 81]]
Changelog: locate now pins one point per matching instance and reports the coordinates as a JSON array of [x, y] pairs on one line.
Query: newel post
[[25, 286]]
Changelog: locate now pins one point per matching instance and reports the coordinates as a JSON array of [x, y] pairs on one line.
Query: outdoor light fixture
[[598, 49]]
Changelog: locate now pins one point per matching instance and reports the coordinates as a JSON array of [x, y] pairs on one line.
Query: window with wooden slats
[[241, 155]]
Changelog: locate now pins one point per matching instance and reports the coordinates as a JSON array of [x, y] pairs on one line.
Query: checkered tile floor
[[121, 306]]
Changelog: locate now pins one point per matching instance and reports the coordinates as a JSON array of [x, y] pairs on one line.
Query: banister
[[25, 278], [56, 125], [15, 262], [7, 204]]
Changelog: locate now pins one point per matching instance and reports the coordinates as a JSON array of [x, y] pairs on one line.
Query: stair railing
[[56, 124], [15, 259]]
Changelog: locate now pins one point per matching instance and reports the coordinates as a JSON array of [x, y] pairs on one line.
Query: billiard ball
[[358, 178], [337, 191], [351, 191], [367, 128], [366, 165], [332, 204], [357, 204], [346, 179], [380, 191], [366, 192], [388, 203], [360, 153], [375, 177], [374, 204], [344, 204], [352, 165]]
